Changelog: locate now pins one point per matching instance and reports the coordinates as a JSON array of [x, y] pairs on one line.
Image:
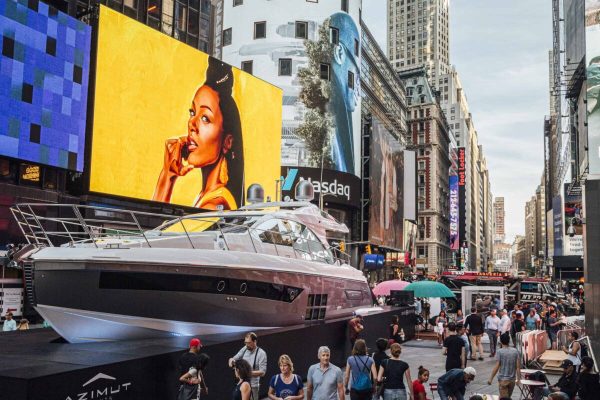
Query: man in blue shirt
[[324, 380], [454, 383]]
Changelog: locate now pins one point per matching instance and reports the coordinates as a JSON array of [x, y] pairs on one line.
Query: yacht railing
[[51, 225]]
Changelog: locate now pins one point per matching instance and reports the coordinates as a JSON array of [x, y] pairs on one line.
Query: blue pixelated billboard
[[44, 71]]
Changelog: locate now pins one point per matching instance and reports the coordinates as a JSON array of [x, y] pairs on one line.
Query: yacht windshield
[[196, 224]]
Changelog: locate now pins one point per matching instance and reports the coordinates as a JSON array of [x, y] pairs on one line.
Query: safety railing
[[50, 225]]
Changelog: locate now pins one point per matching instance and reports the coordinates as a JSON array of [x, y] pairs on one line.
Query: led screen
[[44, 68], [173, 125]]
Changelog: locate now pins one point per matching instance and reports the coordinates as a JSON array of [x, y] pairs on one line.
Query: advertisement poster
[[387, 191], [557, 224], [44, 75], [592, 48], [454, 237], [11, 297], [573, 220], [185, 128]]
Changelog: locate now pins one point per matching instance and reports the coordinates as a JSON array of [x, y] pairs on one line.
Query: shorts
[[506, 388]]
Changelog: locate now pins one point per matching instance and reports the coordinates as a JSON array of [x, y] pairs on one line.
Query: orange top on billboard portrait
[[172, 124]]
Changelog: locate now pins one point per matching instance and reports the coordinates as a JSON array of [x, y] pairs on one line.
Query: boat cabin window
[[294, 234]]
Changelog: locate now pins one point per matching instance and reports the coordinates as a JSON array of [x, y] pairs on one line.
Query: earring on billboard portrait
[[224, 172]]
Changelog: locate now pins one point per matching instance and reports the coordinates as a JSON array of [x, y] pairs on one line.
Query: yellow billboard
[[172, 124]]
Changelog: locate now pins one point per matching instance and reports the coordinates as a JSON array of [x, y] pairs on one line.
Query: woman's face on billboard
[[205, 128]]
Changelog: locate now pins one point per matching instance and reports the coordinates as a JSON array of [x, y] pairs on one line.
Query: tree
[[315, 94]]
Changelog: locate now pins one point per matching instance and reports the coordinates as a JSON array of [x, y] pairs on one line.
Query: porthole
[[221, 286]]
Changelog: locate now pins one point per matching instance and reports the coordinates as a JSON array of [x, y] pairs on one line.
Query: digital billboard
[[557, 222], [573, 219], [44, 71], [387, 189], [334, 186], [462, 201], [172, 124], [592, 49], [279, 53], [454, 236]]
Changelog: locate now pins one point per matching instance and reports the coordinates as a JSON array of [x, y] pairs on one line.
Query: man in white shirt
[[492, 328], [504, 322]]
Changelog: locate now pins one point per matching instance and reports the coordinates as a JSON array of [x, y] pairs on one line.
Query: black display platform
[[36, 364]]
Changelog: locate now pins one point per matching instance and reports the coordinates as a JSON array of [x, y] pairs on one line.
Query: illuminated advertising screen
[[573, 220], [387, 189], [454, 236], [557, 222], [592, 49], [462, 201], [173, 125], [44, 69]]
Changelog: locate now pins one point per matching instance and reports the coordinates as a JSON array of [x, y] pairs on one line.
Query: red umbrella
[[383, 289]]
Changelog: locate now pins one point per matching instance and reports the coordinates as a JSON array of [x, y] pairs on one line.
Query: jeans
[[444, 396], [394, 394], [493, 335]]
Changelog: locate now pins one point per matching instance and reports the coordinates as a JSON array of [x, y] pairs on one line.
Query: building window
[[356, 47], [421, 179], [247, 66], [260, 30], [227, 37], [238, 2], [285, 67], [301, 30], [334, 35], [325, 71], [345, 5], [421, 164], [350, 80]]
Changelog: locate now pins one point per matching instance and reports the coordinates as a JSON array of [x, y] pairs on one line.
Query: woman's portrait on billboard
[[213, 144]]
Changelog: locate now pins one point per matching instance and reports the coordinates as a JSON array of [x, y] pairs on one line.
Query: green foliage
[[315, 94], [315, 131]]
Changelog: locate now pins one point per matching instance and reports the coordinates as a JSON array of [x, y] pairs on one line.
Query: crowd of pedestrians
[[383, 374]]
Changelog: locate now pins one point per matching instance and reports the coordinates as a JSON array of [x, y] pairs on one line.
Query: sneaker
[[480, 358]]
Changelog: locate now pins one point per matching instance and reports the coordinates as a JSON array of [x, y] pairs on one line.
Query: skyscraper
[[418, 35], [499, 233]]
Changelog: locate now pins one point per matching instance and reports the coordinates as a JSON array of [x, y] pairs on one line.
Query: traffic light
[[343, 246], [368, 248]]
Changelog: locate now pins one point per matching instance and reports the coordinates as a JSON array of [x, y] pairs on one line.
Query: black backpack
[[584, 348]]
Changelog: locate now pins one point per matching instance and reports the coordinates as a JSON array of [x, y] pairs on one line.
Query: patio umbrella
[[429, 289], [384, 288]]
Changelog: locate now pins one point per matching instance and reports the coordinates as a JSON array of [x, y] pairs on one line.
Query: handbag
[[381, 385], [187, 392]]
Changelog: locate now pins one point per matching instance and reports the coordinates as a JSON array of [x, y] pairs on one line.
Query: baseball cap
[[470, 371], [195, 342], [566, 364]]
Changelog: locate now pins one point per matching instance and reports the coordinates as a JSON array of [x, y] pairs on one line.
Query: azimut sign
[[334, 186], [102, 387]]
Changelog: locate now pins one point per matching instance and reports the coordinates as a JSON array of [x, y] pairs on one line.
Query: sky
[[500, 50]]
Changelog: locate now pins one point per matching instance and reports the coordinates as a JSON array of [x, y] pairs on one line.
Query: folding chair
[[433, 387]]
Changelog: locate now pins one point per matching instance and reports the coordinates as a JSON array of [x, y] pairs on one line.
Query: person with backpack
[[256, 357], [191, 364], [391, 375], [573, 351], [361, 368], [286, 385]]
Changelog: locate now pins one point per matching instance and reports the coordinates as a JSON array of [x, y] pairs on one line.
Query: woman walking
[[362, 368], [286, 385], [440, 327], [394, 371], [243, 372]]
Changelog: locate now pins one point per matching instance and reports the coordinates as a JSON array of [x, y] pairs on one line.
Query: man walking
[[474, 326], [256, 357], [504, 322], [190, 361], [454, 349], [492, 328], [508, 367], [324, 380], [454, 383]]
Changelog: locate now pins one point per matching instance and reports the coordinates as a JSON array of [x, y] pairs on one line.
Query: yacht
[[95, 275]]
